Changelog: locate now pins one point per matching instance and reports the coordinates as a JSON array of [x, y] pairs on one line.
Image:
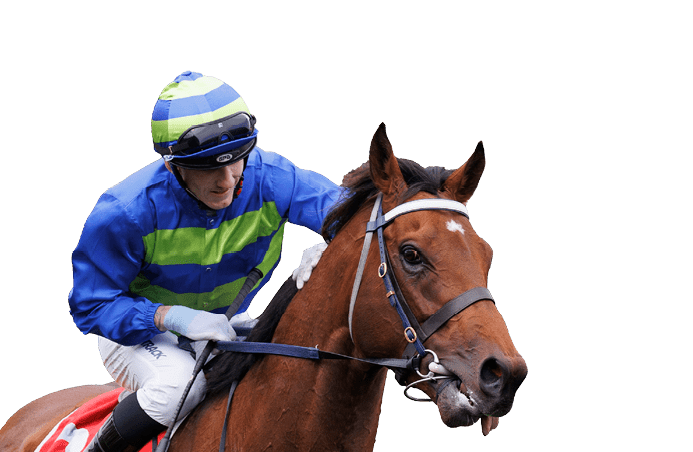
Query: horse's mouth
[[458, 406], [456, 403]]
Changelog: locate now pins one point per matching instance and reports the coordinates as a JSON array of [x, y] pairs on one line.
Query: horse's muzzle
[[488, 392]]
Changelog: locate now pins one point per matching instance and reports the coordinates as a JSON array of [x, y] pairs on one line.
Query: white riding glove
[[199, 325], [309, 260], [243, 320]]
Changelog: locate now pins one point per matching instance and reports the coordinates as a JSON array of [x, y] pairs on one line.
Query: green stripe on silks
[[221, 296], [171, 129], [207, 246]]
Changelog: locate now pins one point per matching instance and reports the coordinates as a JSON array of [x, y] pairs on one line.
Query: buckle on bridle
[[382, 270], [410, 336]]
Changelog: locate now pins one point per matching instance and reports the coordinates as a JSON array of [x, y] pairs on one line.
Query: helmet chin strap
[[179, 178]]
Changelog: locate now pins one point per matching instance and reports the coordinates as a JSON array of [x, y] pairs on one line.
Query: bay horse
[[284, 403]]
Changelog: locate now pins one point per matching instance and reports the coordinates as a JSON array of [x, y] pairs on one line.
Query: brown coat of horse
[[294, 404]]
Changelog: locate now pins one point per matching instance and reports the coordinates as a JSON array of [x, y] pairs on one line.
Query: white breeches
[[158, 370]]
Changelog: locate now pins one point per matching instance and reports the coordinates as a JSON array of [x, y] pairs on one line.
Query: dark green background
[[583, 110]]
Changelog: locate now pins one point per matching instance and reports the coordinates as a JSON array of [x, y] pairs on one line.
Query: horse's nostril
[[492, 377]]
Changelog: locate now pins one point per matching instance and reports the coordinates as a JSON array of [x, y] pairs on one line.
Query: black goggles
[[214, 133], [218, 160]]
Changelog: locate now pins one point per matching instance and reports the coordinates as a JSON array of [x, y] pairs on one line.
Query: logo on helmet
[[224, 158]]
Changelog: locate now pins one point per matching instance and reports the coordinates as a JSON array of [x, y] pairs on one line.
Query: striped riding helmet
[[201, 122]]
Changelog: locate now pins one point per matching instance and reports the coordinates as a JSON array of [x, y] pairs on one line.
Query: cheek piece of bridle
[[414, 332]]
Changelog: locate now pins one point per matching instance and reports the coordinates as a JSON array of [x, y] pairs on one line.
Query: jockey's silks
[[148, 243]]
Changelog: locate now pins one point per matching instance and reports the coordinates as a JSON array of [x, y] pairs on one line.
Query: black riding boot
[[127, 430]]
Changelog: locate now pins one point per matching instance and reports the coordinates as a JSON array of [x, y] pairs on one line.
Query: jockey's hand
[[309, 260], [199, 325], [243, 320]]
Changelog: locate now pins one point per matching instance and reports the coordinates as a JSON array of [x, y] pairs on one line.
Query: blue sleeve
[[108, 257], [304, 197]]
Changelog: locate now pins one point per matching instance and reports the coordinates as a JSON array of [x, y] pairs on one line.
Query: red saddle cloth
[[73, 433]]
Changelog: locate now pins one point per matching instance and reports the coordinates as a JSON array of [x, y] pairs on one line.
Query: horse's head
[[435, 256]]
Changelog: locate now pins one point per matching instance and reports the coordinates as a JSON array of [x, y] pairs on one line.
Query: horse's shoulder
[[201, 430]]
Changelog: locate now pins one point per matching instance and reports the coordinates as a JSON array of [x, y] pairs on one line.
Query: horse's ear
[[463, 182], [385, 170]]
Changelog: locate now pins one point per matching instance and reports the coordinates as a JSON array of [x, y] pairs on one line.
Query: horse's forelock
[[360, 188]]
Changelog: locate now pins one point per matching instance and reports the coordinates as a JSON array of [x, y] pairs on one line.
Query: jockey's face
[[213, 187]]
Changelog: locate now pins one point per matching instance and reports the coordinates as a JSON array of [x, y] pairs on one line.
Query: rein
[[414, 332]]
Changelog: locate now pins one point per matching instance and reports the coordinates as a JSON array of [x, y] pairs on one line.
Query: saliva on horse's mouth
[[442, 384]]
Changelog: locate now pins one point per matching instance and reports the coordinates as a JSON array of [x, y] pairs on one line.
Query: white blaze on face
[[454, 226]]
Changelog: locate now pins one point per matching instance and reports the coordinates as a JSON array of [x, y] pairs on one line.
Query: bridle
[[414, 332]]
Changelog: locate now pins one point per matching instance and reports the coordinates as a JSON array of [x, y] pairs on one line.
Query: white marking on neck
[[454, 226]]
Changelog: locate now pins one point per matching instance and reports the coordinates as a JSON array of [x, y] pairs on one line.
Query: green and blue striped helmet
[[201, 122]]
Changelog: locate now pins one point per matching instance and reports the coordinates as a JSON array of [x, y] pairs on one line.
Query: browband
[[414, 206]]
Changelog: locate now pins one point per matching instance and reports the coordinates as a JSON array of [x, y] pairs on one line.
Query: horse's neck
[[337, 401], [296, 404], [319, 313], [341, 398]]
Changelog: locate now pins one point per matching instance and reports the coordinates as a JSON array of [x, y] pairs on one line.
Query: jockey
[[167, 249]]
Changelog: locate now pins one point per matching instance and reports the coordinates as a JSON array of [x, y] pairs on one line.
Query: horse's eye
[[411, 255]]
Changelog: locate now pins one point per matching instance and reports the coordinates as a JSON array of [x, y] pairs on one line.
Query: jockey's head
[[201, 126]]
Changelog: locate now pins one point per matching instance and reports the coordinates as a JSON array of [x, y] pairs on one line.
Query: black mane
[[230, 367]]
